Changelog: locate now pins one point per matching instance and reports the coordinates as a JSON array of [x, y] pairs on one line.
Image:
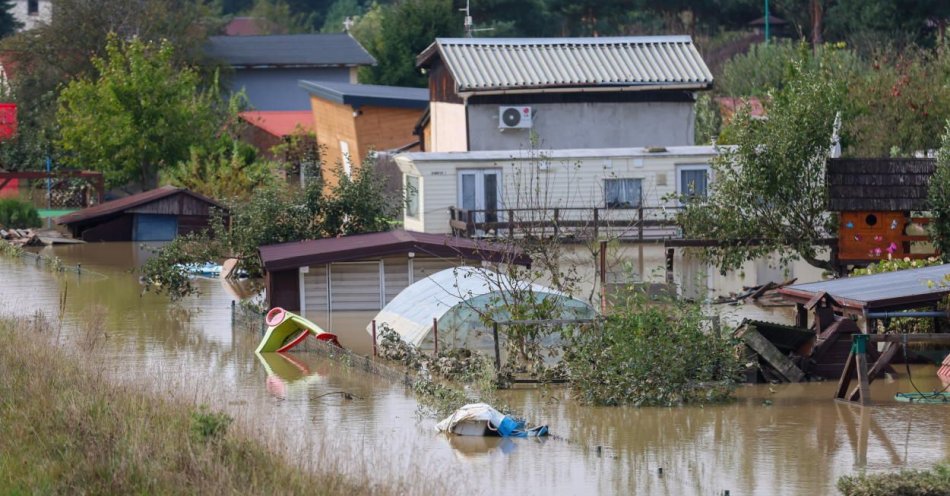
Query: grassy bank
[[64, 428], [934, 482]]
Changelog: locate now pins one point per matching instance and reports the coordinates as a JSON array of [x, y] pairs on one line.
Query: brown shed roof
[[360, 246], [878, 184], [131, 201]]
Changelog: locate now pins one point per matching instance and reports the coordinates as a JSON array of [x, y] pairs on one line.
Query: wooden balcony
[[642, 224]]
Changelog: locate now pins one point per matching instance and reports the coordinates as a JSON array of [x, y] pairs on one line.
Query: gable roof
[[131, 201], [289, 50], [357, 95], [359, 246], [881, 184], [632, 62], [279, 123]]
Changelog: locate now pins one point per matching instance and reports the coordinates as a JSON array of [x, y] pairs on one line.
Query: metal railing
[[634, 224]]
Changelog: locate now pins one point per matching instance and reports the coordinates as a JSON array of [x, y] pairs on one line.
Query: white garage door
[[355, 286]]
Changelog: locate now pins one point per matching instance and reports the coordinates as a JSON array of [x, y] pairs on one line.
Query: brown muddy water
[[800, 443]]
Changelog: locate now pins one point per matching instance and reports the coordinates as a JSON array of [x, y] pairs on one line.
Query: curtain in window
[[622, 193], [693, 182]]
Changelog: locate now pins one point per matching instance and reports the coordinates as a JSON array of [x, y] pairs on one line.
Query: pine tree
[[8, 23]]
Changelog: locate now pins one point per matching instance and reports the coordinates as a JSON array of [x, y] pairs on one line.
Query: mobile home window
[[622, 193], [412, 196], [693, 181]]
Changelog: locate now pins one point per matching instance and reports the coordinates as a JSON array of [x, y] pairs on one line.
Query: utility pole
[[468, 23], [766, 22]]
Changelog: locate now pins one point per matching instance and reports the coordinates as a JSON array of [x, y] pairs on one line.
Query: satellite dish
[[511, 117]]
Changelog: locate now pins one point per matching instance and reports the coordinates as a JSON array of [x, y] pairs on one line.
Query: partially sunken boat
[[287, 329]]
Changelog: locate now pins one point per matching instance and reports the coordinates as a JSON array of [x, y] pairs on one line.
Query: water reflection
[[475, 447], [285, 371]]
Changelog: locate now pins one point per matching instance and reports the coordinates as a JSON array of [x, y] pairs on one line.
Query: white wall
[[447, 121], [30, 21], [567, 182]]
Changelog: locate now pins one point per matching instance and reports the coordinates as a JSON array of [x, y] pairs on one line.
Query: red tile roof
[[131, 201], [280, 123], [361, 246]]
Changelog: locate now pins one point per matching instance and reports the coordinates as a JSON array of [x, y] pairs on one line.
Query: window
[[480, 190], [32, 7], [622, 193], [692, 181], [345, 157], [412, 196]]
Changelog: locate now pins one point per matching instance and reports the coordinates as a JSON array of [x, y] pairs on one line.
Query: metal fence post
[[374, 338], [435, 332]]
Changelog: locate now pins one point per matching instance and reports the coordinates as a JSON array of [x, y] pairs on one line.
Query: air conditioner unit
[[514, 117]]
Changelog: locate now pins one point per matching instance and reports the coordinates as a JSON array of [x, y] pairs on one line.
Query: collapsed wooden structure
[[844, 318]]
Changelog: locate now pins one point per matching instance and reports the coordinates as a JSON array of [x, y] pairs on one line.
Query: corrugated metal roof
[[368, 94], [360, 246], [280, 123], [487, 64], [131, 201], [297, 50], [879, 290]]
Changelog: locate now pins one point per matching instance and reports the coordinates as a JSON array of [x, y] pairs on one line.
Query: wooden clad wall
[[442, 84], [180, 204]]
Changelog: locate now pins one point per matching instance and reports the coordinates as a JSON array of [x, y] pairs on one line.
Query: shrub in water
[[18, 214], [652, 352], [904, 483]]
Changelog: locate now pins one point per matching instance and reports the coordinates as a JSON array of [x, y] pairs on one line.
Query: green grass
[[66, 429]]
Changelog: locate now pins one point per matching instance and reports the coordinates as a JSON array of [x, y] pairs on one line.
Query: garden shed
[[454, 300], [364, 272], [160, 214]]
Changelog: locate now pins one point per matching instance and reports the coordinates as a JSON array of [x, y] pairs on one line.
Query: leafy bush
[[18, 214], [933, 482], [939, 198], [652, 352], [207, 425]]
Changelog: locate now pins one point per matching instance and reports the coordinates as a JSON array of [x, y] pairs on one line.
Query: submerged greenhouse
[[461, 302]]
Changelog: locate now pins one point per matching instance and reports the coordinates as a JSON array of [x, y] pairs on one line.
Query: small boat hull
[[286, 330]]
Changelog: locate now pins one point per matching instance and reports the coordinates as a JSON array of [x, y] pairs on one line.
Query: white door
[[480, 190]]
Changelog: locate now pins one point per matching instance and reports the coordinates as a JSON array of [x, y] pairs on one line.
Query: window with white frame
[[345, 155], [412, 196], [623, 192], [692, 181]]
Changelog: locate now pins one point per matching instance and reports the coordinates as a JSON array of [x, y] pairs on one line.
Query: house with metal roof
[[363, 272], [351, 121], [160, 214], [610, 92], [268, 67]]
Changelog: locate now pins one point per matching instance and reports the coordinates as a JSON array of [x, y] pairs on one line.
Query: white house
[[32, 13], [613, 186]]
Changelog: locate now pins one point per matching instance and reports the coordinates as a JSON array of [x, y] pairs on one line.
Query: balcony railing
[[632, 224]]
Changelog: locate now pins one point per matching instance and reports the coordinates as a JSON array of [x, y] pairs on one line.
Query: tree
[[277, 213], [406, 29], [138, 116], [8, 23], [280, 18], [769, 193], [939, 198]]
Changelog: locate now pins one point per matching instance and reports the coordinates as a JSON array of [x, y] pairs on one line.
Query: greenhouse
[[461, 303]]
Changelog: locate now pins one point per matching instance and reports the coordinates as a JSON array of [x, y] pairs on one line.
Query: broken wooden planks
[[768, 352]]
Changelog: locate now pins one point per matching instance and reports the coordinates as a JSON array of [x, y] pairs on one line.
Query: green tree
[[8, 23], [769, 193], [277, 213], [939, 198], [280, 18], [406, 29], [138, 116]]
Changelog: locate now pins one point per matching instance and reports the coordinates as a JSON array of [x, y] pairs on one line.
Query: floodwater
[[787, 439]]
